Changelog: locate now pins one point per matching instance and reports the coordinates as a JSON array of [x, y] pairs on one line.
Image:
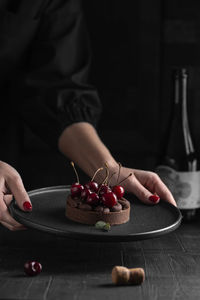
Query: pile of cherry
[[96, 194]]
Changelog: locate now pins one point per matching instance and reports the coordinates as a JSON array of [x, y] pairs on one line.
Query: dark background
[[135, 46]]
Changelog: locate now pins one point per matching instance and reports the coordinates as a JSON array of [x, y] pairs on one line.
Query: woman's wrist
[[81, 143], [112, 169]]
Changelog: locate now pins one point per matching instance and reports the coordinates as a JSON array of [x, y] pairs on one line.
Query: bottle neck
[[180, 152], [188, 144]]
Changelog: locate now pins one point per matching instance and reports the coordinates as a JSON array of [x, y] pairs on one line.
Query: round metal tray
[[48, 214]]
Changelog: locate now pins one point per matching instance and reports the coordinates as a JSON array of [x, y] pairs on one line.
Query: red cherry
[[109, 199], [92, 185], [32, 268], [92, 199], [118, 190], [76, 189], [85, 193], [104, 189]]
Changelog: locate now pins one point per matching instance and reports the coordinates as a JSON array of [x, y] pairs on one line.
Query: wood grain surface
[[82, 270]]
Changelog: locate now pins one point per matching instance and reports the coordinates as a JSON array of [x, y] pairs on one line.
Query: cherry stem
[[111, 177], [73, 166], [125, 178], [105, 179], [119, 171], [107, 174], [96, 173]]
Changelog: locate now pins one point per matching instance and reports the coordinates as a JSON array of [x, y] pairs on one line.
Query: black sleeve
[[54, 89]]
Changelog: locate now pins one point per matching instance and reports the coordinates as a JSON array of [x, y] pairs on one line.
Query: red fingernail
[[27, 206], [154, 198]]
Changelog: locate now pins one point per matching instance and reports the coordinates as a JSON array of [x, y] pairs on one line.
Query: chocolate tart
[[84, 214]]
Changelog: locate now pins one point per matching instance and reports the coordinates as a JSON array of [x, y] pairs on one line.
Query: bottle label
[[184, 186]]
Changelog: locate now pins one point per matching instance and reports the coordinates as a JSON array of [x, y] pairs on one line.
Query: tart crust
[[90, 217]]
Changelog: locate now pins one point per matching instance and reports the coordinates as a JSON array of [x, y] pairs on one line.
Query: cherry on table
[[32, 268]]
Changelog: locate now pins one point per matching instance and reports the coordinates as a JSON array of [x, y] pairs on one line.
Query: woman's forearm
[[81, 143]]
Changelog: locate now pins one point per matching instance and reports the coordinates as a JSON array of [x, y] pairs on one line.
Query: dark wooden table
[[82, 270]]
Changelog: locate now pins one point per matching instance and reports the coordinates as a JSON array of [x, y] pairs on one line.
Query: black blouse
[[44, 63]]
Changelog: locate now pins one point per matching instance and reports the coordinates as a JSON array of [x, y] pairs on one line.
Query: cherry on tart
[[85, 193], [109, 199], [104, 189], [92, 185], [92, 199], [93, 202], [76, 188], [118, 190]]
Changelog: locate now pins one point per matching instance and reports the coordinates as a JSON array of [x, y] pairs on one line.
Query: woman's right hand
[[11, 185]]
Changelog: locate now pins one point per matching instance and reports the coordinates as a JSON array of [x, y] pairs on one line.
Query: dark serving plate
[[48, 214]]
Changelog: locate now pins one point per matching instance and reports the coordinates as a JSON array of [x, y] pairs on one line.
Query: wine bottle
[[179, 169]]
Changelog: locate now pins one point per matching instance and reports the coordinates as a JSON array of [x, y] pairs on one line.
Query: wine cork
[[122, 275]]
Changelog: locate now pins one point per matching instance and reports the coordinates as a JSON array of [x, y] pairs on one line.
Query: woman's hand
[[11, 185], [144, 184], [81, 144]]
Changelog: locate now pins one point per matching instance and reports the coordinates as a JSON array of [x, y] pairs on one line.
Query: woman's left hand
[[146, 185]]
